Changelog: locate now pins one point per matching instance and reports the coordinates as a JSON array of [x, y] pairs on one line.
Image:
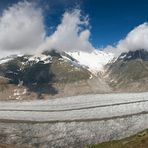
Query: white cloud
[[136, 39], [21, 28], [70, 35]]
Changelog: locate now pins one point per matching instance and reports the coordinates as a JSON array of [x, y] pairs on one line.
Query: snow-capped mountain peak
[[94, 61]]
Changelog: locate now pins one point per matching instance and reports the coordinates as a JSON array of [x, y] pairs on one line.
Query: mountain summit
[[132, 55], [94, 61]]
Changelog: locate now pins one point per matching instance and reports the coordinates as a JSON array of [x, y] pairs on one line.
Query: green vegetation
[[139, 140]]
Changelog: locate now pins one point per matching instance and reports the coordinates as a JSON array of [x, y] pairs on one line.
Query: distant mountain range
[[57, 74]]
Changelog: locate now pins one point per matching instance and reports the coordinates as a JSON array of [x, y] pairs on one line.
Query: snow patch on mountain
[[94, 61], [41, 57], [8, 58]]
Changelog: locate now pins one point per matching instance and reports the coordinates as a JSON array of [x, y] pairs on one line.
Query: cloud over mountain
[[70, 34], [135, 40], [21, 28]]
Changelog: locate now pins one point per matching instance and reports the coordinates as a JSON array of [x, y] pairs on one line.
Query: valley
[[73, 74], [54, 99]]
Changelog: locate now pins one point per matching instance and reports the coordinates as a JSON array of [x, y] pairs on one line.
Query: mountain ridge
[[51, 73]]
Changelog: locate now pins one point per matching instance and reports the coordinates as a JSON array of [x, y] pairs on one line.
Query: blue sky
[[110, 20]]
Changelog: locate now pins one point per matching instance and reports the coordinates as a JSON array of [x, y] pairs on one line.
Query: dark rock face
[[53, 53], [132, 55]]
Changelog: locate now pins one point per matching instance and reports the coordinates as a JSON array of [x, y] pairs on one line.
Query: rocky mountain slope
[[55, 73], [48, 74], [129, 72]]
